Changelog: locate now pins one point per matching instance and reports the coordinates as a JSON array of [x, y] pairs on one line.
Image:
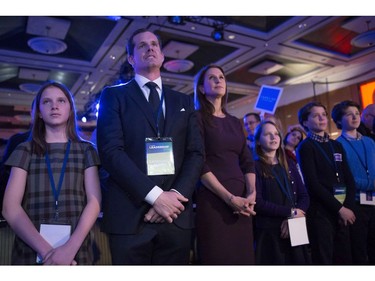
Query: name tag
[[367, 198], [298, 231], [55, 234], [159, 156], [340, 192]]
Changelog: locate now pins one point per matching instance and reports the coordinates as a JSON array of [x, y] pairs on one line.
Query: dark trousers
[[329, 241], [158, 244], [363, 235]]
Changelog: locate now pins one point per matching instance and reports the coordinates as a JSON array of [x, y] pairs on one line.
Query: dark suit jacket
[[125, 120], [12, 143]]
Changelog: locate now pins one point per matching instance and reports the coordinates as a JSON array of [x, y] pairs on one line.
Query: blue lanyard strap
[[332, 163], [285, 185], [56, 192], [160, 112]]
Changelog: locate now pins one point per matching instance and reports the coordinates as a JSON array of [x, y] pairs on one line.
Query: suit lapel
[[171, 105], [136, 94]]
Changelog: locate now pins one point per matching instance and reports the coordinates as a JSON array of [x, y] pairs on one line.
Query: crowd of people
[[182, 177]]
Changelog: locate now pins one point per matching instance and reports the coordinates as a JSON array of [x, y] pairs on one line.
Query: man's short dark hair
[[130, 46], [305, 111], [338, 111], [256, 115]]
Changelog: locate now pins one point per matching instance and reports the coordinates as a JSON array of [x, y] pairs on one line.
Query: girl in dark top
[[226, 194], [280, 195], [331, 188]]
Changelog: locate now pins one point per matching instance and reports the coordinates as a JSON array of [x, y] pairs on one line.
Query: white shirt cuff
[[153, 195]]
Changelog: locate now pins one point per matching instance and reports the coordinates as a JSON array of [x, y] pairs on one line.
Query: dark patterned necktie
[[154, 101], [153, 98]]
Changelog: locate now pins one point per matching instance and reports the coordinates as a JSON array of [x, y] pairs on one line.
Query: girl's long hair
[[38, 131], [264, 161]]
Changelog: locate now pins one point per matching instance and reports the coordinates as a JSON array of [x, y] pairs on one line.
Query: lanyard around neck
[[332, 164], [160, 112], [364, 164], [56, 191], [285, 185]]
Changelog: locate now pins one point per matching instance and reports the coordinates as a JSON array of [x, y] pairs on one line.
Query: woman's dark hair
[[200, 101], [285, 141], [338, 111], [38, 131], [304, 112]]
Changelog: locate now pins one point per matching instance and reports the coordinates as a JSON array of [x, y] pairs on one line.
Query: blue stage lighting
[[218, 34], [176, 20]]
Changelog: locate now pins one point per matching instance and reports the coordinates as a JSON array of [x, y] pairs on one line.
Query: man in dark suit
[[12, 143], [147, 208], [367, 126]]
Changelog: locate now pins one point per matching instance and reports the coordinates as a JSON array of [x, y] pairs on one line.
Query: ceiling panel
[[307, 48]]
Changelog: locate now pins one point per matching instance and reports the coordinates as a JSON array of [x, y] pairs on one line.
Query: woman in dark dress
[[280, 195], [226, 193]]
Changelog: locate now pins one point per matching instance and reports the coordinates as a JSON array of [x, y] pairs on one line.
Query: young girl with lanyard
[[360, 150], [281, 195], [331, 187], [53, 186]]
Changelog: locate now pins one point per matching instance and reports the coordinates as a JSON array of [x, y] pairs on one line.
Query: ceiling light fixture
[[179, 63], [47, 45], [177, 20], [218, 33], [178, 66], [30, 88], [268, 80], [365, 39]]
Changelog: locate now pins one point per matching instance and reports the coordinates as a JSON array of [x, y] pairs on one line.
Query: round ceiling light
[[29, 87], [268, 80], [47, 45], [178, 66], [364, 40]]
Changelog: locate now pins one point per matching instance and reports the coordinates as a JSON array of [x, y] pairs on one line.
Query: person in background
[[226, 193], [331, 187], [281, 195], [11, 145], [291, 141], [273, 118], [53, 181], [3, 144], [360, 150], [251, 120], [148, 208], [367, 125]]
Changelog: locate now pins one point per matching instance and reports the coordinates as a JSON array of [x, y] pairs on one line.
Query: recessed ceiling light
[[268, 80], [178, 66], [364, 40], [47, 45], [31, 88]]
